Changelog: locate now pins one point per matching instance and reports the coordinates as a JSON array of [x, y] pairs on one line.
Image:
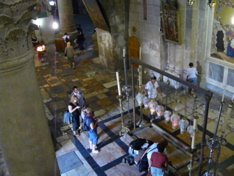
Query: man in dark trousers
[[80, 40]]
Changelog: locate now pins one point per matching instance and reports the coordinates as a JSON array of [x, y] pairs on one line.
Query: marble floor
[[56, 80]]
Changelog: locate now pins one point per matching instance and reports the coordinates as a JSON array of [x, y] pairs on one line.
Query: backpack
[[68, 118], [137, 144], [67, 40], [84, 126]]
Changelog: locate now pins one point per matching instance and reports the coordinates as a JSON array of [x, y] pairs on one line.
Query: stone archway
[[134, 48]]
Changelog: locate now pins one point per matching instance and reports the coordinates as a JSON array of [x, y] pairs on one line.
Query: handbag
[[68, 118], [143, 164]]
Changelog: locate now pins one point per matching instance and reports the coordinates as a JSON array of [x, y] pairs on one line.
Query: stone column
[[66, 18], [24, 132]]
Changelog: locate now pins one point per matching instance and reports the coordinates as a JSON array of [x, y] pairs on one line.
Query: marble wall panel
[[216, 72], [230, 78]]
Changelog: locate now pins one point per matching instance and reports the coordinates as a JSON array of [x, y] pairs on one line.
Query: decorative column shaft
[[66, 17], [24, 133]]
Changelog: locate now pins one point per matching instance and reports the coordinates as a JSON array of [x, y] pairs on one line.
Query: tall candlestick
[[140, 76], [228, 115], [123, 52], [194, 133], [118, 83], [140, 53], [140, 70]]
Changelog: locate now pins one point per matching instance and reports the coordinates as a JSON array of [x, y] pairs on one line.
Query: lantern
[[175, 120], [160, 111], [183, 125], [167, 116]]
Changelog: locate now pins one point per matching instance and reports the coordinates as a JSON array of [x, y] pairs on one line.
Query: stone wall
[[115, 14], [45, 32], [146, 30], [168, 56]]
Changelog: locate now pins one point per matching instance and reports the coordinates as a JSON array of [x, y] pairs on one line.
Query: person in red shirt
[[158, 162]]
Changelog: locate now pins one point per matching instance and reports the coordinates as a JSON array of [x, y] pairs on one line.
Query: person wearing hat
[[152, 88]]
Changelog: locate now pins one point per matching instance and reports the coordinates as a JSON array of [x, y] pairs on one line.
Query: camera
[[128, 159]]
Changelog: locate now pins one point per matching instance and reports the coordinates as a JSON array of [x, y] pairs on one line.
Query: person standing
[[70, 53], [80, 95], [80, 40], [73, 107], [81, 99], [158, 162], [154, 148], [79, 28], [66, 38], [35, 41], [92, 123], [152, 88], [192, 75]]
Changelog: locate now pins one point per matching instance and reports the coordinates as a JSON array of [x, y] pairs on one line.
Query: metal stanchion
[[124, 129], [217, 142]]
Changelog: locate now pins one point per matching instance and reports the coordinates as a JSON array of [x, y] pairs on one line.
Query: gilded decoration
[[222, 44], [170, 21], [15, 34]]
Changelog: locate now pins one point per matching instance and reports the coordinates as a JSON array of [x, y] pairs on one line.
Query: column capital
[[15, 31]]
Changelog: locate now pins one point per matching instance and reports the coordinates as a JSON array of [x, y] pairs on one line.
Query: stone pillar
[[66, 18], [24, 132], [105, 48]]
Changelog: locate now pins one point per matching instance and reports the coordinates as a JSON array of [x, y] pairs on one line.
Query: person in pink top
[[158, 162]]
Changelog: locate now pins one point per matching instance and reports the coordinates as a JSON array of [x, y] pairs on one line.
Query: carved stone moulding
[[17, 62], [15, 34]]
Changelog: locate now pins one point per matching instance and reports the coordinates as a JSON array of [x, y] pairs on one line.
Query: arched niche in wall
[[134, 48]]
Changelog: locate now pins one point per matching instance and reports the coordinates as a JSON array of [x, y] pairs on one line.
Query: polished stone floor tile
[[68, 162], [110, 84], [123, 169], [108, 153]]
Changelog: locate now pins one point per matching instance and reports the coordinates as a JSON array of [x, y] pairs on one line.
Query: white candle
[[118, 83], [194, 133], [124, 52], [233, 97], [228, 115]]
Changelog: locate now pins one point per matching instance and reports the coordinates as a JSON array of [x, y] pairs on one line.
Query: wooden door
[[134, 49]]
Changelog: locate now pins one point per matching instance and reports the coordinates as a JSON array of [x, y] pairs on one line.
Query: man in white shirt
[[192, 74], [152, 88], [66, 38]]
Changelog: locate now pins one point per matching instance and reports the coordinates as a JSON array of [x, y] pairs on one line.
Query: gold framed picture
[[170, 22]]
